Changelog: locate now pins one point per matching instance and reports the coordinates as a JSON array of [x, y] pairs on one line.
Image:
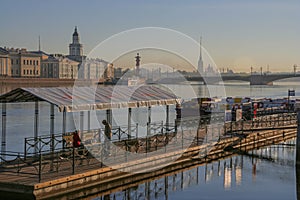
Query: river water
[[270, 174], [238, 177]]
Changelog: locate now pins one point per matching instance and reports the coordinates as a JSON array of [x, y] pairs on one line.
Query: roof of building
[[3, 51], [39, 52], [75, 99]]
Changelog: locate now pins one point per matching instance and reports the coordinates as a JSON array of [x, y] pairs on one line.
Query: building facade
[[93, 69], [5, 65], [59, 66], [24, 63]]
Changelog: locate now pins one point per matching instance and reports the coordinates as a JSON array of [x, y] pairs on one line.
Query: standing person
[[108, 135]]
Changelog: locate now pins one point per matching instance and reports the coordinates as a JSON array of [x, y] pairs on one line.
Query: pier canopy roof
[[73, 99]]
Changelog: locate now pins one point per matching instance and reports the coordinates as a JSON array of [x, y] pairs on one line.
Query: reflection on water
[[266, 173]]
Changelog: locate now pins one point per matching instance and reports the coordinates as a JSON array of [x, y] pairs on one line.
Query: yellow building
[[24, 63], [5, 66]]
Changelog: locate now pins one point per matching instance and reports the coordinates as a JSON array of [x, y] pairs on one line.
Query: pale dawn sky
[[237, 34]]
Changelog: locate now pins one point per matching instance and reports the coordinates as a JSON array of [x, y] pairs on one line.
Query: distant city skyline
[[237, 34]]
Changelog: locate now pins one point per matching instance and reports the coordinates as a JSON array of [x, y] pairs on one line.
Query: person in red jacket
[[76, 139]]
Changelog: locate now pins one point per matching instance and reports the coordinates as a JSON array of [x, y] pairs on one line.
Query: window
[[30, 72], [37, 62], [27, 62], [12, 71], [17, 71], [12, 61], [34, 62], [27, 71], [24, 62], [30, 62], [17, 61], [24, 72]]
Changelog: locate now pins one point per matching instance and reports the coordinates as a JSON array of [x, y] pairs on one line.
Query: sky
[[237, 34]]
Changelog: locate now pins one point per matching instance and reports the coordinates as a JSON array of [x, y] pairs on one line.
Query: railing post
[[73, 160], [25, 148], [137, 130], [148, 128], [40, 165], [147, 145], [126, 151], [182, 139], [162, 128]]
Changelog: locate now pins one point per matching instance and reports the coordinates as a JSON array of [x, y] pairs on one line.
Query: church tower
[[75, 48], [200, 61]]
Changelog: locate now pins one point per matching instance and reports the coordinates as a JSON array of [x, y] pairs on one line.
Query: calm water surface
[[270, 175]]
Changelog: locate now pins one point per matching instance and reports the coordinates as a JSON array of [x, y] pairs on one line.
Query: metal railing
[[40, 160]]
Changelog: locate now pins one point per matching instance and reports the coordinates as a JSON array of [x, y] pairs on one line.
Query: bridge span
[[254, 79]]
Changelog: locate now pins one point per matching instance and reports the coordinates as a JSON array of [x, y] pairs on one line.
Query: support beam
[[89, 120], [81, 122], [64, 125], [36, 125], [298, 141], [52, 135], [149, 114], [129, 121], [167, 117], [109, 116], [298, 156], [3, 139]]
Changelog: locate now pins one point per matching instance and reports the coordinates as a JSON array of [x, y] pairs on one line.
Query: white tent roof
[[74, 99]]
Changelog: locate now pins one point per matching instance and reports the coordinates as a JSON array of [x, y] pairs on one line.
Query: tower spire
[[200, 61], [201, 47], [39, 43]]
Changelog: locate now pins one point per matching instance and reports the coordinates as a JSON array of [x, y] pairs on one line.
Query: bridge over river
[[253, 79]]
